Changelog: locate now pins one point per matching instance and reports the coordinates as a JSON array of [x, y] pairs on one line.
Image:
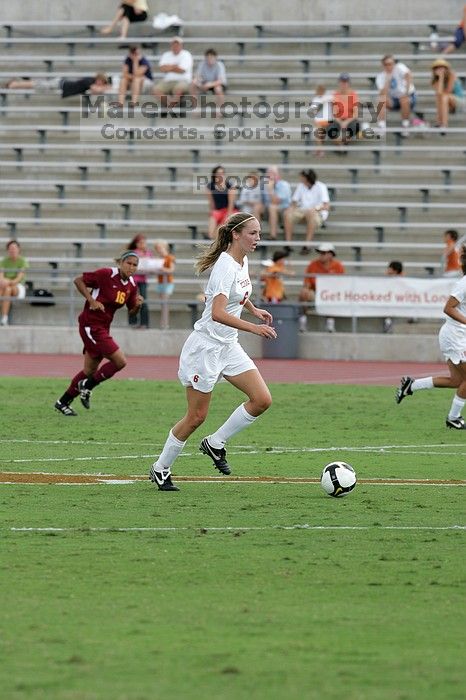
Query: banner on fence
[[343, 295]]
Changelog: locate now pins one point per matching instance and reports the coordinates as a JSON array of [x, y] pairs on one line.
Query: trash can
[[286, 323]]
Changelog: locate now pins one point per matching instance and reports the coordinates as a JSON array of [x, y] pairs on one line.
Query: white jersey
[[459, 292], [231, 279]]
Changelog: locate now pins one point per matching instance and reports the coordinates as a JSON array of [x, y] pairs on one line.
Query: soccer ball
[[338, 479]]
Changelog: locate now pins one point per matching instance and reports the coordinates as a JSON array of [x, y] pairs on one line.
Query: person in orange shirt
[[459, 35], [451, 257], [325, 264], [345, 125], [274, 288], [165, 284]]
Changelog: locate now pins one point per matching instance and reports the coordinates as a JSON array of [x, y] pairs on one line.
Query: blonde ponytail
[[209, 257]]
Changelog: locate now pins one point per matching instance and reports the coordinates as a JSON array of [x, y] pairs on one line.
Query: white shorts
[[204, 362], [452, 342]]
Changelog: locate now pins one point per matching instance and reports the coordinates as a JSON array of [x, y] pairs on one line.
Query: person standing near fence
[[452, 340], [105, 290], [140, 319], [212, 351], [165, 284]]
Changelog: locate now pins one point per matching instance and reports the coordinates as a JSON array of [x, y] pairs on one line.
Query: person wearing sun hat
[[449, 95]]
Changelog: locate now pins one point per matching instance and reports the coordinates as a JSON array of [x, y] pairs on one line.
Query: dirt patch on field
[[43, 478]]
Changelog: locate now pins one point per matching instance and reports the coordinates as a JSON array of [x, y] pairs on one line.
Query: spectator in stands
[[396, 92], [276, 199], [345, 112], [94, 85], [310, 203], [210, 77], [449, 92], [141, 318], [274, 288], [394, 268], [105, 290], [165, 284], [250, 197], [451, 259], [325, 264], [221, 195], [12, 273], [136, 70], [459, 35], [321, 108], [177, 67], [129, 12]]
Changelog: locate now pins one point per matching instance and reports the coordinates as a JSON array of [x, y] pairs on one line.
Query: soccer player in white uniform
[[212, 351], [452, 339]]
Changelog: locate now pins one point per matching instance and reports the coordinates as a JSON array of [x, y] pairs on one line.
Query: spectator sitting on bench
[[210, 77], [345, 112], [250, 197], [136, 70], [310, 203], [451, 259], [396, 92], [177, 66], [459, 35], [274, 288], [12, 272], [325, 264], [276, 198], [395, 268], [322, 111], [129, 12], [221, 195], [449, 93], [96, 85]]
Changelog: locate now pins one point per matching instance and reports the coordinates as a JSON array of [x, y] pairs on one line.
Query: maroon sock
[[73, 390], [105, 372]]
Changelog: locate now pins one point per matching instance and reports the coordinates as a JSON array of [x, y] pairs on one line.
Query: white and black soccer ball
[[338, 479]]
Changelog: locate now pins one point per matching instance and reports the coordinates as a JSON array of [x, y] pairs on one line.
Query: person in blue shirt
[[276, 198]]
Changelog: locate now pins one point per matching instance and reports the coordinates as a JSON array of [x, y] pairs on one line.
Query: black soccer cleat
[[404, 389], [84, 394], [162, 479], [457, 423], [218, 456], [64, 408]]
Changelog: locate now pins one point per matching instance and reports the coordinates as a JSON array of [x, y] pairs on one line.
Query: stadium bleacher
[[391, 198]]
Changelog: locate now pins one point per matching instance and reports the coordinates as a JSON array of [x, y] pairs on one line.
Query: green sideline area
[[232, 591]]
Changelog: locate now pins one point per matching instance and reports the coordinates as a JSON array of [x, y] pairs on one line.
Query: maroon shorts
[[97, 341]]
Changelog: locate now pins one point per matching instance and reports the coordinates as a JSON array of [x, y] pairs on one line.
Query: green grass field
[[295, 596]]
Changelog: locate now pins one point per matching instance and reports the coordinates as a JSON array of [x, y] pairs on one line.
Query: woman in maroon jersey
[[106, 290]]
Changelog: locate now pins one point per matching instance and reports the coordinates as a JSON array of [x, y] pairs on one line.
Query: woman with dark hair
[[105, 290], [310, 203], [128, 12], [449, 93], [141, 318], [452, 340], [221, 195], [212, 351]]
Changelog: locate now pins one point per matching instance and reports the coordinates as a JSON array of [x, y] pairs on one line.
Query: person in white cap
[[325, 264], [177, 67]]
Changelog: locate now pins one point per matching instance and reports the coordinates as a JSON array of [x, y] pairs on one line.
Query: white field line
[[239, 528], [247, 449]]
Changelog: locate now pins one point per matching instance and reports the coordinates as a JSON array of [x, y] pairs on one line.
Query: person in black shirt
[[221, 195], [95, 85]]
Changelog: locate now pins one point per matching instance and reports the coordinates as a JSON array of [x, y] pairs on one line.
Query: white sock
[[456, 407], [238, 420], [405, 122], [424, 383], [4, 320], [381, 124], [170, 452]]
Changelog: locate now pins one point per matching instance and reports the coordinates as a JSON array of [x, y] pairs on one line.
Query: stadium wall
[[340, 10], [312, 346]]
